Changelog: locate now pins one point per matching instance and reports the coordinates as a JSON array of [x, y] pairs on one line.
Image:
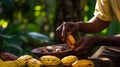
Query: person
[[105, 12]]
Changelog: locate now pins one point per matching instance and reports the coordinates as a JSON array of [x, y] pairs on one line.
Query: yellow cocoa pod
[[25, 57], [70, 41], [1, 60], [20, 63], [68, 60], [34, 63], [50, 61], [15, 63], [83, 63], [8, 64], [22, 60]]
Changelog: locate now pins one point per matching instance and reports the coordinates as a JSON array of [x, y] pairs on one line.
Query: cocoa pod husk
[[8, 56]]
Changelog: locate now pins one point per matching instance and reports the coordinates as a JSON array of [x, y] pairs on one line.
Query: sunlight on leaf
[[37, 13], [86, 8], [3, 23], [37, 8], [43, 13], [85, 18], [104, 31], [46, 27], [52, 34], [51, 16]]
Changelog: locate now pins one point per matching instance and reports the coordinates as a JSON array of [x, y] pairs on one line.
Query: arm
[[109, 41], [93, 26], [88, 42]]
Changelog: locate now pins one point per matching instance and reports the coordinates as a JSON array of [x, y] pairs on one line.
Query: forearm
[[93, 26], [109, 41]]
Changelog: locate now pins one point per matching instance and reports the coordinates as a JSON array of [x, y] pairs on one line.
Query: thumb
[[80, 48]]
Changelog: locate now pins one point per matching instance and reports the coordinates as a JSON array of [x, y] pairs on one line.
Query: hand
[[66, 27], [85, 44]]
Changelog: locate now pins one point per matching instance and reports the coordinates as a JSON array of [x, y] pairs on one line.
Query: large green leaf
[[39, 36], [17, 47], [11, 45], [114, 28], [14, 40]]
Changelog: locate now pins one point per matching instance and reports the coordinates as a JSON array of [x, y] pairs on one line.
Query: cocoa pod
[[25, 57], [8, 56], [70, 41], [34, 63]]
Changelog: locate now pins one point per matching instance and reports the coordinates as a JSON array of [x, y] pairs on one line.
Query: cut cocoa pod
[[8, 56], [70, 41]]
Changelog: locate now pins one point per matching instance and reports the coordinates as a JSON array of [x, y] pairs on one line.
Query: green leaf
[[5, 36], [113, 28], [11, 47], [15, 46], [39, 36], [14, 40]]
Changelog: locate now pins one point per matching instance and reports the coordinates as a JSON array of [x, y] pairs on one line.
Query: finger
[[79, 42], [88, 43], [80, 48], [85, 46], [59, 30], [64, 31]]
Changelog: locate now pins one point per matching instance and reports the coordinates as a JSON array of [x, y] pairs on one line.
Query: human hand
[[66, 27], [85, 44]]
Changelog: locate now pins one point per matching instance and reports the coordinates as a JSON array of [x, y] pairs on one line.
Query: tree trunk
[[68, 11]]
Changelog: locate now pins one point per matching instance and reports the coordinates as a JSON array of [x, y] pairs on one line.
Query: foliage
[[22, 42], [26, 24]]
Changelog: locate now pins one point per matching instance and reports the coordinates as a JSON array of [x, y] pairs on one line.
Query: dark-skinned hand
[[85, 44], [66, 27]]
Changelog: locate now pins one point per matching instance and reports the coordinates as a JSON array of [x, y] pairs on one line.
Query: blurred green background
[[27, 24]]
